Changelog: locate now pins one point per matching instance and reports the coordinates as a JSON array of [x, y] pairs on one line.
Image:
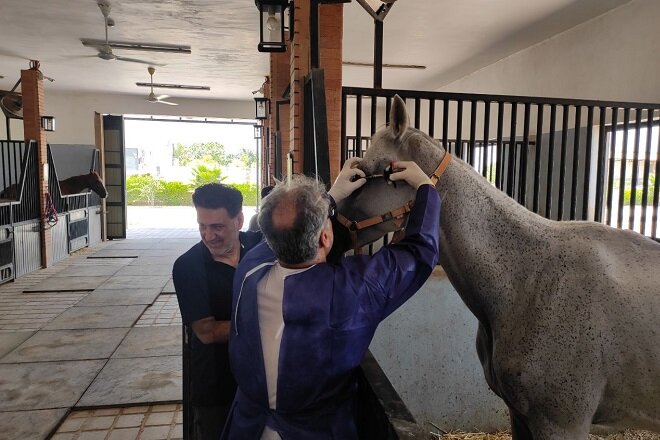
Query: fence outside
[[562, 159]]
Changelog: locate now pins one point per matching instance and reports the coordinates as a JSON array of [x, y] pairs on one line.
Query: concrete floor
[[90, 348]]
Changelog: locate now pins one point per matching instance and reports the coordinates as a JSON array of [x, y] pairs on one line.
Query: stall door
[[115, 179]]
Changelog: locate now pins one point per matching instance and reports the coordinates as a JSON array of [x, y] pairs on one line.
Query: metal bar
[[600, 167], [656, 190], [417, 113], [431, 118], [459, 129], [562, 162], [587, 164], [647, 170], [473, 132], [373, 116], [388, 106], [622, 169], [344, 140], [5, 180], [610, 175], [358, 126], [522, 186], [537, 157], [551, 160], [486, 150], [378, 54], [510, 180], [314, 34], [635, 171], [499, 182], [576, 160], [445, 124]]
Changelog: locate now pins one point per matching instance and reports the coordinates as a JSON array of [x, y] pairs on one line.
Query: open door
[[115, 176]]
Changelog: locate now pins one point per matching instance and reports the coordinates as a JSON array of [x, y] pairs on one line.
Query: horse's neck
[[76, 184], [484, 235]]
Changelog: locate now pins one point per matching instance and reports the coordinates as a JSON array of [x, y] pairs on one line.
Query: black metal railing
[[564, 159], [19, 182]]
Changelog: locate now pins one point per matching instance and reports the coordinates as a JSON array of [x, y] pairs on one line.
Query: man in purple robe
[[300, 325]]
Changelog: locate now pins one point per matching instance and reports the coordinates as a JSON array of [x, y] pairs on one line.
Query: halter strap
[[397, 215]]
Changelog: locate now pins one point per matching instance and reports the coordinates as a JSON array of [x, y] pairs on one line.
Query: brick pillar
[[331, 36], [332, 31], [33, 105]]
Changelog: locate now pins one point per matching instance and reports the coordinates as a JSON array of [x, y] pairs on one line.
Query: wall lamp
[[271, 25], [258, 131], [261, 108], [48, 123]]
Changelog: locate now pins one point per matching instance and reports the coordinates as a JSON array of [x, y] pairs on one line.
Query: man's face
[[219, 231]]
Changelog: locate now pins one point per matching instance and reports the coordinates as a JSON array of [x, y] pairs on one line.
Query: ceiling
[[450, 37]]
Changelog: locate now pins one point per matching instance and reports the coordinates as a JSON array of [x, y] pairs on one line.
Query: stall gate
[[564, 159], [20, 250], [71, 226]]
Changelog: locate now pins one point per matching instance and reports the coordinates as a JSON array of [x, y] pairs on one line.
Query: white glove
[[411, 173], [343, 186]]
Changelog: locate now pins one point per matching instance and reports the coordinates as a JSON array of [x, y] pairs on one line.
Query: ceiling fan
[[105, 51], [152, 96], [11, 103]]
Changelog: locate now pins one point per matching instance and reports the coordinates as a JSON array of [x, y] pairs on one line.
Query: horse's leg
[[519, 429]]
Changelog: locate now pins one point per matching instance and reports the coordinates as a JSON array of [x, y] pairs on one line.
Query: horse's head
[[96, 184], [396, 142]]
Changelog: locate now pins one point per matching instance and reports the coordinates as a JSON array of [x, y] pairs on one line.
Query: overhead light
[[390, 66], [261, 108], [172, 86], [149, 47], [271, 29]]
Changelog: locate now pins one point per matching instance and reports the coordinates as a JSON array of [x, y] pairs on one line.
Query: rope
[[51, 212]]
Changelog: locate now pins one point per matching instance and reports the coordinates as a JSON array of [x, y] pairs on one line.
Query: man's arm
[[210, 331]]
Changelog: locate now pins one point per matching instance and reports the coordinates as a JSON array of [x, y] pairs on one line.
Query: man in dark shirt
[[203, 282]]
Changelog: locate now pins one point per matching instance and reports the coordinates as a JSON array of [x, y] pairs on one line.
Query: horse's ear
[[277, 181], [398, 116]]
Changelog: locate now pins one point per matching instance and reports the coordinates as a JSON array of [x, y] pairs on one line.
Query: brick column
[[331, 36], [33, 106]]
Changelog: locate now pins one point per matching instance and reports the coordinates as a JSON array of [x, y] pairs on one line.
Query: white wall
[[612, 57], [74, 112]]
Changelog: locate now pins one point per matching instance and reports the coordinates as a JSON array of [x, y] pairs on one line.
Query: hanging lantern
[[271, 20], [261, 108]]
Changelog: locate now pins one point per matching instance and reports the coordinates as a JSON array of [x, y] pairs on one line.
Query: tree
[[203, 174], [210, 152], [246, 157]]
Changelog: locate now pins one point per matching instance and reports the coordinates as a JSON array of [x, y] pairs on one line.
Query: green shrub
[[249, 193], [203, 174], [141, 189], [174, 194], [627, 193]]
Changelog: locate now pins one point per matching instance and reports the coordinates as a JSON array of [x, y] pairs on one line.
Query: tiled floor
[[103, 355], [156, 422]]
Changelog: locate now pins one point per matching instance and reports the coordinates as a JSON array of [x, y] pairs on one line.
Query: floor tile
[[11, 340], [154, 269], [150, 341], [143, 281], [83, 270], [76, 284], [96, 317], [136, 380], [45, 385], [64, 345], [164, 311], [120, 297], [169, 287], [29, 425]]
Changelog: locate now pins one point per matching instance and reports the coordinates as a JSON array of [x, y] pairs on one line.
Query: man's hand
[[346, 181], [411, 173], [210, 331]]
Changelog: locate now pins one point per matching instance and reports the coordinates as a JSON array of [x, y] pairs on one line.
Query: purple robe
[[330, 315]]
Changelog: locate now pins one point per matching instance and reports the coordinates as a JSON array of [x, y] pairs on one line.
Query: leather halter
[[397, 215]]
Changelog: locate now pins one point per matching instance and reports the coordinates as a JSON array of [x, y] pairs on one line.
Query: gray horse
[[569, 312]]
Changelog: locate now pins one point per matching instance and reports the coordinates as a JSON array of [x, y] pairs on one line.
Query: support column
[[32, 91], [331, 30]]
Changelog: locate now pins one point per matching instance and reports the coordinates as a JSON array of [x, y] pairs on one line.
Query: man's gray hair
[[299, 242]]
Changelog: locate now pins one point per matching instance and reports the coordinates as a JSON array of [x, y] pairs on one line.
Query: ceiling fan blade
[[133, 60], [159, 97], [167, 102]]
